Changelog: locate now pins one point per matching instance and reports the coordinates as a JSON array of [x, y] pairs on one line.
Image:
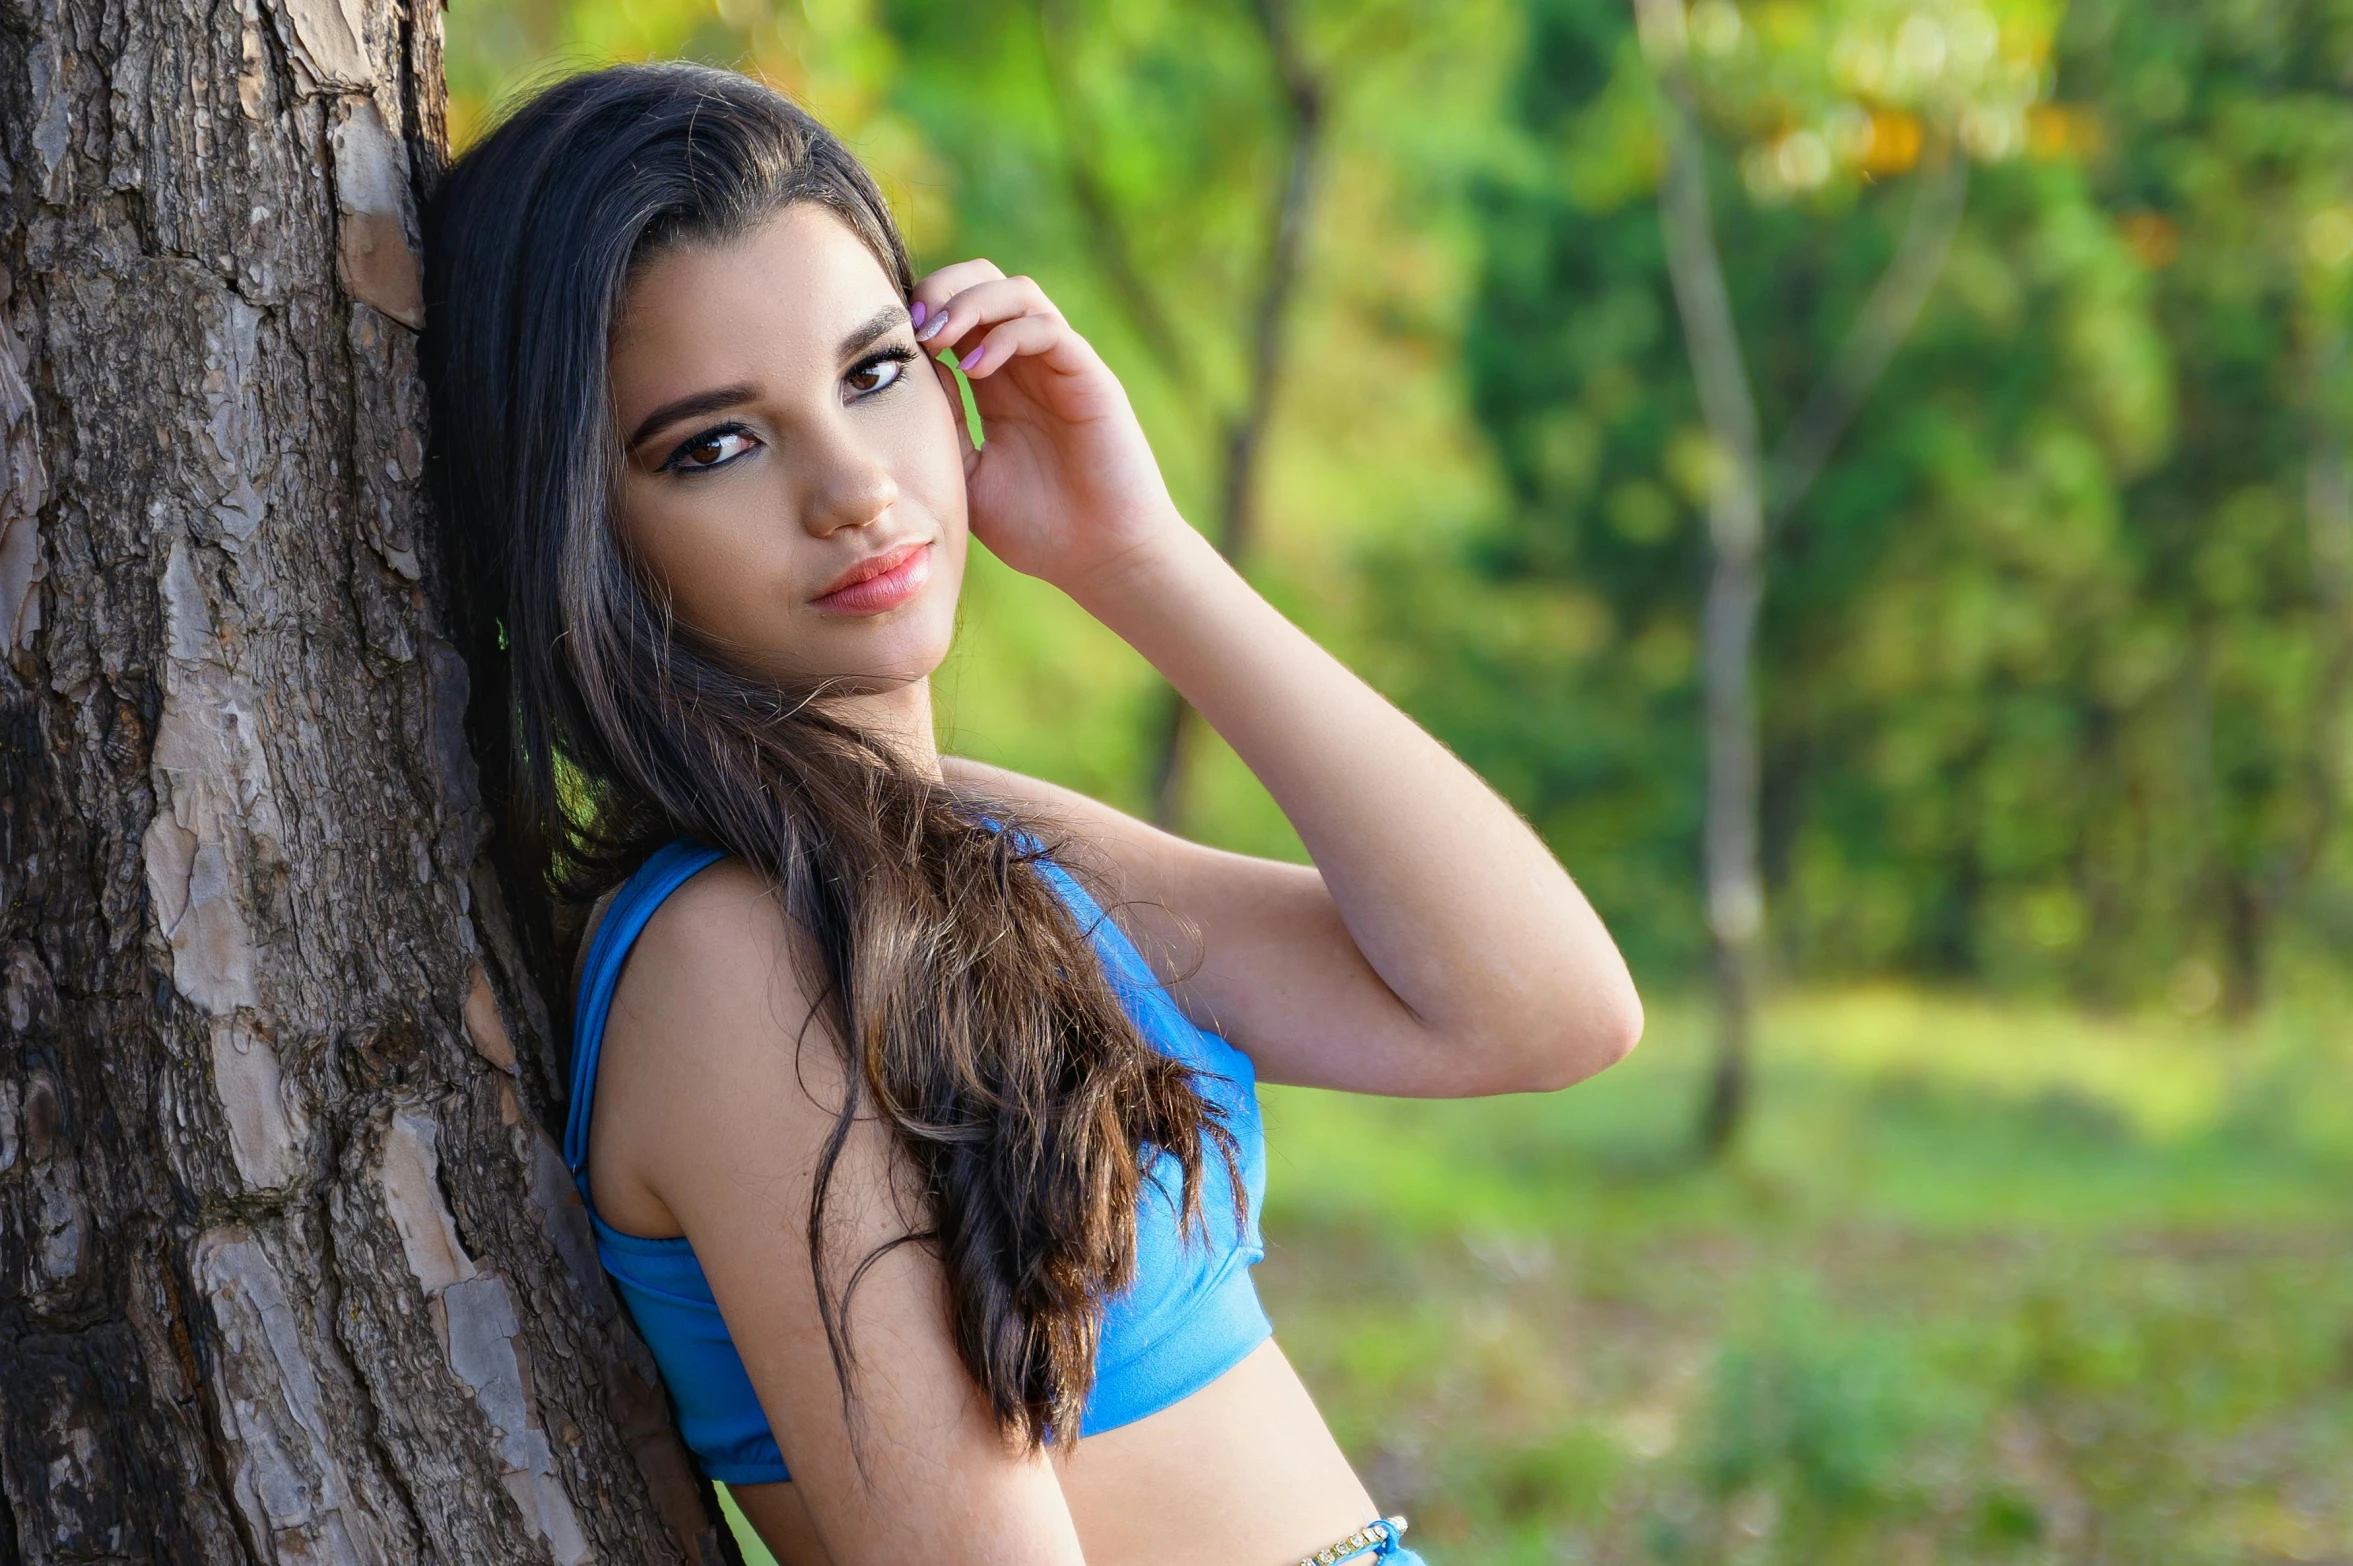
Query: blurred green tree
[[1876, 91], [2052, 676], [2228, 165], [1772, 136]]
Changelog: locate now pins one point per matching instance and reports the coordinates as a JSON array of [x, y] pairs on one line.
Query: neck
[[901, 718]]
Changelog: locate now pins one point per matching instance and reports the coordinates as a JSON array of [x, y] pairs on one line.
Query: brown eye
[[876, 373], [711, 449]]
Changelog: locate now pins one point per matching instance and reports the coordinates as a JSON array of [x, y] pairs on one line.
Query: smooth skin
[[1434, 947]]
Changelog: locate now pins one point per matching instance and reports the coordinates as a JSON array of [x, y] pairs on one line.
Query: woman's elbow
[[1616, 1034], [1580, 1038]]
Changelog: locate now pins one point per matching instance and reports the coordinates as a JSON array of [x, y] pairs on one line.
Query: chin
[[891, 657]]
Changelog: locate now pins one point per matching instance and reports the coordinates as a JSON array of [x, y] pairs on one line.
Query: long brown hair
[[972, 1012]]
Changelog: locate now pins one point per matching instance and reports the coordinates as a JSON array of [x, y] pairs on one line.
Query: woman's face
[[790, 463]]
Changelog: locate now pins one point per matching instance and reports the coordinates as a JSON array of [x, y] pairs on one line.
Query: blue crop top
[[1190, 1315]]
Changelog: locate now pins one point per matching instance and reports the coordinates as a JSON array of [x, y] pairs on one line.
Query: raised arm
[[1436, 947]]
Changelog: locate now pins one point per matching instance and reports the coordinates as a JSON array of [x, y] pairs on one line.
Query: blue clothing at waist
[[1190, 1315]]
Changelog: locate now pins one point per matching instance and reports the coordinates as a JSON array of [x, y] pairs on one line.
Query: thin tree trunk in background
[[290, 1269], [1731, 877], [1245, 434], [2328, 512], [1751, 495], [1733, 884], [2246, 931]]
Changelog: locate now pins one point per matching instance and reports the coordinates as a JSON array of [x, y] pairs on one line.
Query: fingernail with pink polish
[[931, 326], [915, 313], [973, 358]]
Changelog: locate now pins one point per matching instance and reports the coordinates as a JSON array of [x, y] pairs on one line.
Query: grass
[[1981, 1283]]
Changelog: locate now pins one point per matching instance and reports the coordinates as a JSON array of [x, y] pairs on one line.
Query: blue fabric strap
[[664, 871]]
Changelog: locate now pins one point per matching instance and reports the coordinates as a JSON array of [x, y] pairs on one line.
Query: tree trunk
[[2246, 931], [1752, 495], [290, 1269], [1731, 877]]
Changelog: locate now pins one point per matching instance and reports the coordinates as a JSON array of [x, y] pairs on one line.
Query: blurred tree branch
[[1245, 433], [1894, 307]]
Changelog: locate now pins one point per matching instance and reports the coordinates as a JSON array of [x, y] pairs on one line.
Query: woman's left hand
[[1067, 485]]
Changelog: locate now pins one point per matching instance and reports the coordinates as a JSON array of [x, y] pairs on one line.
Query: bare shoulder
[[728, 1090], [711, 1039], [719, 949]]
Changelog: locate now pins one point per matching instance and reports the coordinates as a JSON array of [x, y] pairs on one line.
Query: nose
[[853, 490]]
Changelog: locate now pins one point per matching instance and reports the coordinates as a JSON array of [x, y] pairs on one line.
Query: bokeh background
[[2030, 1241]]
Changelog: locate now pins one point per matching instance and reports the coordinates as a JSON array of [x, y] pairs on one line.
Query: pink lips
[[878, 583]]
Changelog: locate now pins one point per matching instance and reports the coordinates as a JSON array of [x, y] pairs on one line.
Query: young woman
[[933, 1189]]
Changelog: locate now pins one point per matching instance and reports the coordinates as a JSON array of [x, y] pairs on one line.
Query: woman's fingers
[[1023, 334], [982, 303], [994, 320], [937, 288], [932, 295]]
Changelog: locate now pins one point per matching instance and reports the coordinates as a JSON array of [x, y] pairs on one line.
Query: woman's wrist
[[1132, 588]]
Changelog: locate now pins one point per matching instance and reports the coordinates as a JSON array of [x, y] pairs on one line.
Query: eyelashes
[[897, 358], [699, 453], [722, 444]]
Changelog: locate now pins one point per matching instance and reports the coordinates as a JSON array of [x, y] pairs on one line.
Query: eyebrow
[[866, 331], [693, 407], [696, 404]]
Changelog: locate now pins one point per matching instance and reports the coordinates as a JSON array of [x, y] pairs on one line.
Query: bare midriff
[[1243, 1471]]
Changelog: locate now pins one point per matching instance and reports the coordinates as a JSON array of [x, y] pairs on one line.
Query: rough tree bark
[[290, 1269]]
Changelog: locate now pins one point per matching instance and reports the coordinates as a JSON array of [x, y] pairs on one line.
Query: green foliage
[[2052, 675], [2056, 653]]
